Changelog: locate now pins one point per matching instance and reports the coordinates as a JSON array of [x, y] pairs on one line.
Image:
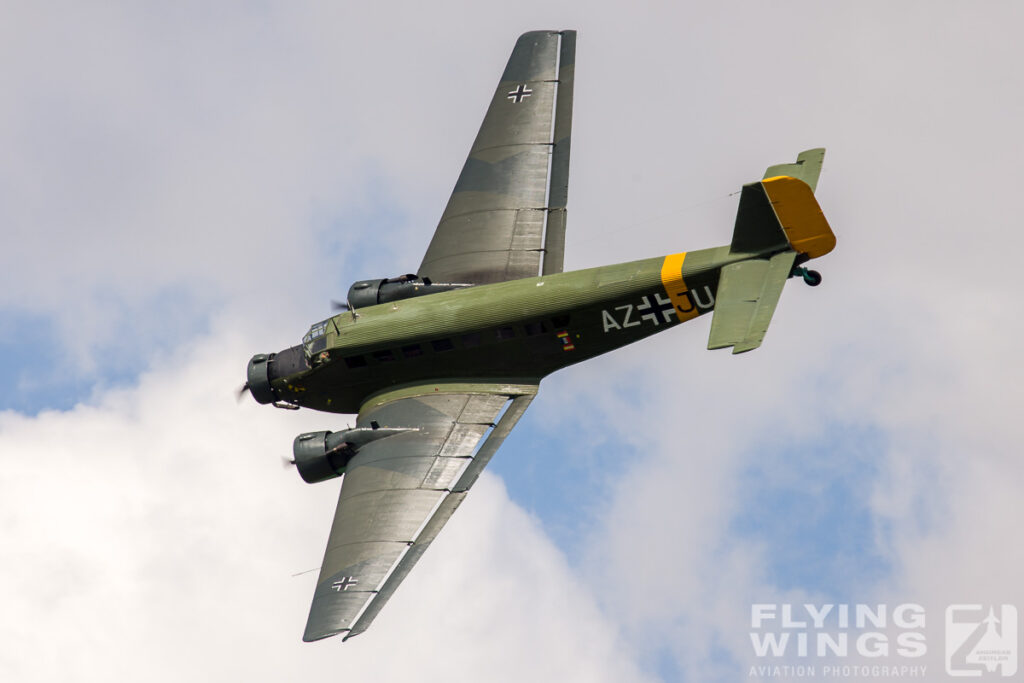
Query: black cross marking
[[344, 584], [662, 305], [519, 94]]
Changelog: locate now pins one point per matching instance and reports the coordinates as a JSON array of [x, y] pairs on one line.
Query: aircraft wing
[[399, 491], [505, 219]]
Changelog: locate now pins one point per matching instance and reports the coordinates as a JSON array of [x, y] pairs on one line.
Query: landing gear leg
[[811, 277]]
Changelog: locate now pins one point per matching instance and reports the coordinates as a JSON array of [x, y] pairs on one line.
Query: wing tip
[[313, 636], [745, 346], [741, 346]]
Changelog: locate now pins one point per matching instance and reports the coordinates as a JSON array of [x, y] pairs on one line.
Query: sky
[[184, 185]]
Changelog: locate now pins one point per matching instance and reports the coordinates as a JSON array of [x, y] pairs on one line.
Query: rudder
[[781, 212]]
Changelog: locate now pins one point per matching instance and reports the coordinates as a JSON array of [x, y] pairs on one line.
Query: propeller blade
[[287, 462], [340, 305], [240, 392]]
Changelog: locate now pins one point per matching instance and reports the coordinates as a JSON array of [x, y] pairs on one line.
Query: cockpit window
[[314, 340], [317, 330]]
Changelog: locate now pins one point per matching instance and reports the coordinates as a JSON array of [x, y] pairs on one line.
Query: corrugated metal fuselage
[[518, 331]]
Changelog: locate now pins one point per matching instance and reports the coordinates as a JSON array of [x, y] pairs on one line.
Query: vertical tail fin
[[781, 212], [807, 167]]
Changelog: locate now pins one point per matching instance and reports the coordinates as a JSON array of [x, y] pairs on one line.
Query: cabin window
[[384, 356], [470, 340], [442, 345], [355, 362], [506, 332], [560, 321], [412, 350], [533, 329]]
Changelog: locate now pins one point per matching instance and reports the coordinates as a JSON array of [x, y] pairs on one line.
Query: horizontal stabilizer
[[748, 292]]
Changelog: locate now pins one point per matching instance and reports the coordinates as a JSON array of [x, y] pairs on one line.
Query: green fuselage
[[516, 331]]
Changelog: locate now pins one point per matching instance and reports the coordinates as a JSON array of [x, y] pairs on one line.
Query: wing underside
[[398, 492], [505, 219]]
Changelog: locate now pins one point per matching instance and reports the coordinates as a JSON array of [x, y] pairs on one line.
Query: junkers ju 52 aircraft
[[440, 364]]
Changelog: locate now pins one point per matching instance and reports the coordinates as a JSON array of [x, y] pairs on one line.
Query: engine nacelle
[[258, 378], [324, 455], [264, 368], [372, 292], [321, 455]]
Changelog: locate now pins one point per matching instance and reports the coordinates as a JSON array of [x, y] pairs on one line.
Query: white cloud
[[155, 530]]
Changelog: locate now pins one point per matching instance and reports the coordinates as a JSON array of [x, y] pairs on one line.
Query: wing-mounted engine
[[372, 292], [323, 455]]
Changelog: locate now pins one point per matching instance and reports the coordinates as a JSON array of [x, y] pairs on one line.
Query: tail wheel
[[812, 277]]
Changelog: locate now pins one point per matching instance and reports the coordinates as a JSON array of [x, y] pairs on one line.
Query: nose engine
[[264, 368], [257, 378]]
